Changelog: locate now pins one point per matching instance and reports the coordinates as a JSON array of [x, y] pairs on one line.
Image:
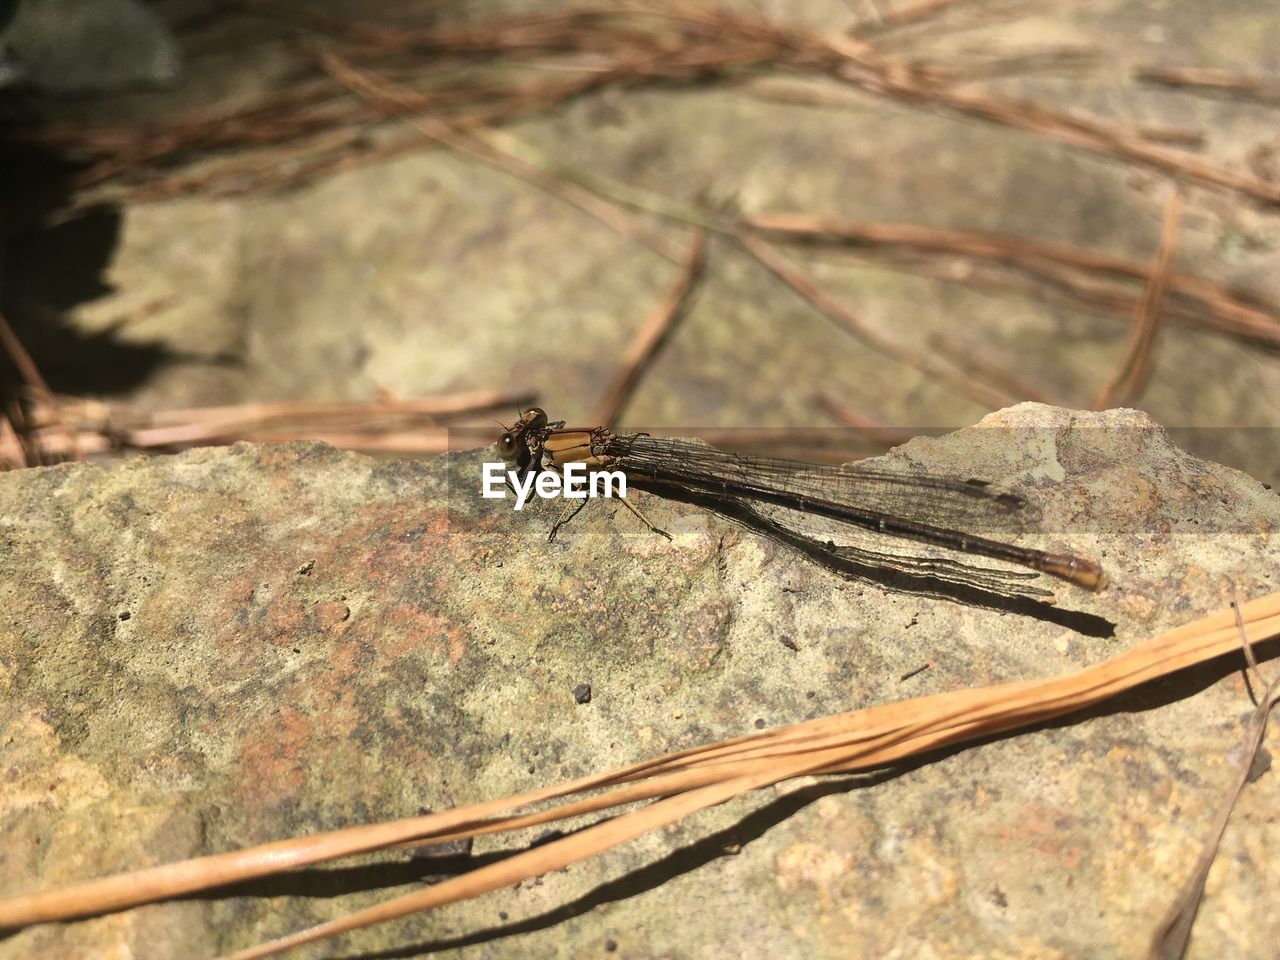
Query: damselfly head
[[509, 447], [513, 445]]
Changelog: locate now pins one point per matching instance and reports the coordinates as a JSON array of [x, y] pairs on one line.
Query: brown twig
[[1178, 136], [392, 424], [622, 44], [30, 375], [1223, 310], [424, 440], [1005, 379], [837, 311], [1252, 673], [470, 143], [440, 405], [653, 333], [869, 427], [795, 90], [1255, 88], [1012, 64], [1044, 281], [1088, 133], [1132, 372], [368, 428], [13, 453], [141, 311], [1173, 935], [677, 784]]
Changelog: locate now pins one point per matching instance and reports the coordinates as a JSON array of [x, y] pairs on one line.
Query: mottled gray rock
[[230, 646], [88, 46]]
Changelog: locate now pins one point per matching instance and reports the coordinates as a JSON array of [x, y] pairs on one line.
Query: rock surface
[[84, 46], [231, 646]]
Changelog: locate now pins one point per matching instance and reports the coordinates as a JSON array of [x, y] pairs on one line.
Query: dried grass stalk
[[15, 425], [621, 44], [1132, 372], [388, 424], [678, 785], [825, 303], [655, 331], [1219, 308]]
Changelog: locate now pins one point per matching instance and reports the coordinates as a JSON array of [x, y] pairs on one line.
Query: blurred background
[[380, 223]]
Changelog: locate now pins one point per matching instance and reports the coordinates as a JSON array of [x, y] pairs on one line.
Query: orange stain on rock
[[1044, 831], [329, 615], [457, 642], [410, 628], [274, 764]]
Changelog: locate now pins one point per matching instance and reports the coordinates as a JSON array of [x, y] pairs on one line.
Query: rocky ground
[[231, 646]]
